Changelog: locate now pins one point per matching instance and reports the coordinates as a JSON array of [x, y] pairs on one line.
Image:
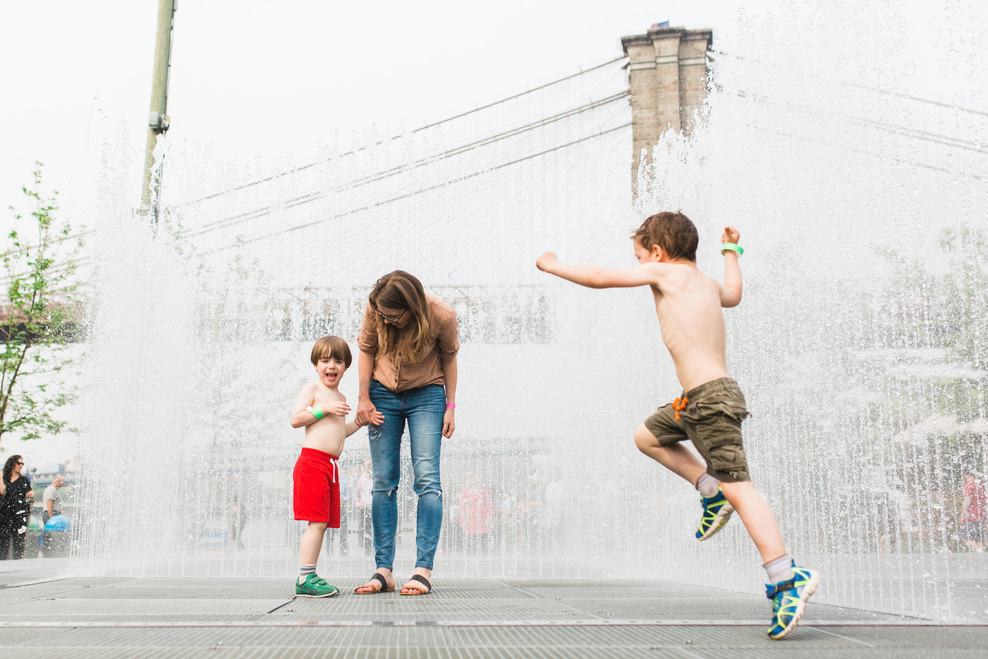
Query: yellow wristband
[[726, 246]]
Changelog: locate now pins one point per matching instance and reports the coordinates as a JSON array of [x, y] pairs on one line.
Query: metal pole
[[158, 119]]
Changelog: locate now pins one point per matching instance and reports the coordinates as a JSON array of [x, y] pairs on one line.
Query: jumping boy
[[709, 413], [322, 409]]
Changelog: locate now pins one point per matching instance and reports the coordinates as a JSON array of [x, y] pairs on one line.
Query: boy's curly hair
[[673, 232]]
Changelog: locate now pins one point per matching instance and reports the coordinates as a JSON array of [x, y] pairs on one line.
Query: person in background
[[52, 500], [15, 506], [362, 501], [476, 512], [973, 512]]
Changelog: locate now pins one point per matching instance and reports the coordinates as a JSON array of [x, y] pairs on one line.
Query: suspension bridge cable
[[433, 187], [53, 241], [894, 129], [859, 85], [430, 188], [395, 137], [72, 264], [420, 191], [873, 154], [403, 168]]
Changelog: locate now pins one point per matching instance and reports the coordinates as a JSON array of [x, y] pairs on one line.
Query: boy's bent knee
[[644, 439]]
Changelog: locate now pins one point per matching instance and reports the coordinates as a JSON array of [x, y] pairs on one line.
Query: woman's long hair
[[400, 290], [8, 468]]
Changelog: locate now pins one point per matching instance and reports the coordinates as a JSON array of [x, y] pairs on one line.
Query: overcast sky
[[267, 81]]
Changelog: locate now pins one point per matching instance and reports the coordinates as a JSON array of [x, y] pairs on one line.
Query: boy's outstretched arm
[[730, 294], [593, 276]]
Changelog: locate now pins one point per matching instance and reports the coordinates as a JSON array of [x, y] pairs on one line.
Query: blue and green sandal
[[789, 600], [716, 511]]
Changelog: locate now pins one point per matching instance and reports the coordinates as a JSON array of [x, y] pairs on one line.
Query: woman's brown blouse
[[398, 374]]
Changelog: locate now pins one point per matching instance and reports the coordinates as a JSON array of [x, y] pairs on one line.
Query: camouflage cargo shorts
[[711, 419]]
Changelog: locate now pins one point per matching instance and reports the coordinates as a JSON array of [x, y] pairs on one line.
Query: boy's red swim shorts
[[317, 487]]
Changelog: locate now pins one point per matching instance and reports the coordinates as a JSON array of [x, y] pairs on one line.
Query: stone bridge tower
[[668, 67]]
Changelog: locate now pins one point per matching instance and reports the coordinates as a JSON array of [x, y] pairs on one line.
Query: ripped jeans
[[423, 408]]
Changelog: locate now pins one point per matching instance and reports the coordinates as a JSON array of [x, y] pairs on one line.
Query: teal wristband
[[316, 411], [726, 246]]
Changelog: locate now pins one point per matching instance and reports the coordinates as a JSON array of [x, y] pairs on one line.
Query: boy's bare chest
[[324, 395]]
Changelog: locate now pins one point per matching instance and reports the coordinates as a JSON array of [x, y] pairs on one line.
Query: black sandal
[[421, 580], [378, 577]]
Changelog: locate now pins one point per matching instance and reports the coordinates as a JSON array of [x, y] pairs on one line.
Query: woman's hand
[[449, 425], [367, 413]]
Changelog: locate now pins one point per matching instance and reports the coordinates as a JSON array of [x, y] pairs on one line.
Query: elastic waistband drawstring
[[679, 405]]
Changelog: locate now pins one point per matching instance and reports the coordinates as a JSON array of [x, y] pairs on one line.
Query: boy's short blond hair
[[331, 346], [673, 232]]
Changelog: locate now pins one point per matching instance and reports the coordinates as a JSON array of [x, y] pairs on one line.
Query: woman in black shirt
[[15, 508]]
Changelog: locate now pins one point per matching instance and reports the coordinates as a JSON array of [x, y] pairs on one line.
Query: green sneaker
[[315, 586], [716, 511], [789, 600]]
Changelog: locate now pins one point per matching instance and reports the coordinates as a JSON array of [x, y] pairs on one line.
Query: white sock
[[707, 485], [304, 570], [779, 569]]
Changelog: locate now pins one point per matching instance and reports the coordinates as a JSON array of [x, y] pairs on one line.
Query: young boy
[[322, 409], [709, 413]]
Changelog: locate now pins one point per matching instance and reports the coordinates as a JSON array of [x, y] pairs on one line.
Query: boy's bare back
[[688, 304]]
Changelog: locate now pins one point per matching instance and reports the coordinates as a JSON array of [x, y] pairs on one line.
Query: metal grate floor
[[217, 617]]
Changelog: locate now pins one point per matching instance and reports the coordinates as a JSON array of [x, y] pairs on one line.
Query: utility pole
[[158, 118]]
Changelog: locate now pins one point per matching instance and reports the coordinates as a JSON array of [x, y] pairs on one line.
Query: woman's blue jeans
[[423, 408]]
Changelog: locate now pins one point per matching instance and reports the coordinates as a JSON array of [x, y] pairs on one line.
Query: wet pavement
[[45, 614]]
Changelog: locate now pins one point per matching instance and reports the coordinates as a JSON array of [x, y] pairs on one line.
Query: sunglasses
[[389, 319]]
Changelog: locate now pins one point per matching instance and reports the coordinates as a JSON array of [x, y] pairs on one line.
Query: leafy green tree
[[36, 319]]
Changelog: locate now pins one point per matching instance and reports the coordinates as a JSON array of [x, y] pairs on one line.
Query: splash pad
[[855, 171]]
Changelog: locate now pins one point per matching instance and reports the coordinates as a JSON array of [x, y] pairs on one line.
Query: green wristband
[[732, 246], [316, 411]]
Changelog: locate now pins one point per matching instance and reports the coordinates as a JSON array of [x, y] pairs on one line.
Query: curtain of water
[[852, 166], [853, 160]]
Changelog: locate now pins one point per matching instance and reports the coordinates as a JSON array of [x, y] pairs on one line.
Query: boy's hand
[[730, 235], [546, 261], [338, 408]]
